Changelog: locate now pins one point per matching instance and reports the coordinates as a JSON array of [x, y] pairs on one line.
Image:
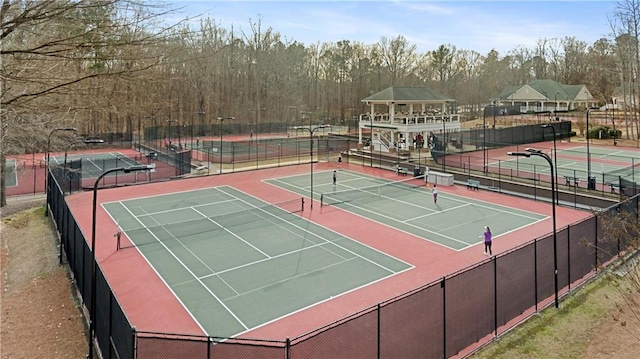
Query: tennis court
[[234, 260], [94, 165], [454, 222], [572, 162], [245, 149]]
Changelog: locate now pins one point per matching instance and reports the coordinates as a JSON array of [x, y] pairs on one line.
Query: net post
[[302, 204], [321, 199]]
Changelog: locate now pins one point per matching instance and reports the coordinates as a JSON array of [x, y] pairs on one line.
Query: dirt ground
[[40, 317]]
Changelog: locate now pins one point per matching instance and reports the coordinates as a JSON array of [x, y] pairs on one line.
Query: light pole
[[533, 152], [169, 122], [613, 119], [201, 128], [46, 175], [494, 113], [485, 162], [555, 155], [371, 140], [311, 131], [93, 247], [444, 144], [588, 153], [220, 120]]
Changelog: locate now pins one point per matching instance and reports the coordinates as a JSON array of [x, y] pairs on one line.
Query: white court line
[[177, 240], [191, 273], [192, 207], [154, 269], [408, 224], [278, 223], [233, 234], [313, 234], [295, 276]]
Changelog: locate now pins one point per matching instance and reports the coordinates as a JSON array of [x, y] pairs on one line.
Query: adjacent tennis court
[[247, 149], [454, 222], [235, 261], [572, 162], [95, 164]]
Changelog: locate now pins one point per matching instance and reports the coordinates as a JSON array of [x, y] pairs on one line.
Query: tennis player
[[434, 191], [487, 241], [335, 178]]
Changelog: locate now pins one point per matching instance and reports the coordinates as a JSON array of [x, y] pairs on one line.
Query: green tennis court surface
[[578, 168], [10, 173], [236, 262], [95, 164], [455, 222]]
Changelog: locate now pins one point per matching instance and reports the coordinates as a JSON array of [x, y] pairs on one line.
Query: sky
[[480, 25]]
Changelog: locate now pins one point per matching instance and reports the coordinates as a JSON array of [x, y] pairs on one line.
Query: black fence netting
[[467, 294], [228, 155], [582, 242], [444, 318], [113, 331], [355, 337], [514, 282], [406, 321]]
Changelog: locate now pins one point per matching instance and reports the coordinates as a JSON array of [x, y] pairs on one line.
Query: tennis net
[[204, 228], [388, 189]]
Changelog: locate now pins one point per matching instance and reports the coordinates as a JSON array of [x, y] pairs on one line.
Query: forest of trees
[[103, 65]]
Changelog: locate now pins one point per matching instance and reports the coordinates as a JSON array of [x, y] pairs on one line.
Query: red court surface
[[31, 168], [151, 306]]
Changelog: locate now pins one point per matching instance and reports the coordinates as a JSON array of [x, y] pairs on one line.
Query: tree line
[[104, 66]]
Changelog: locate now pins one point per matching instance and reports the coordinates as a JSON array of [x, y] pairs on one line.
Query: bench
[[614, 187], [402, 171], [473, 184], [570, 180]]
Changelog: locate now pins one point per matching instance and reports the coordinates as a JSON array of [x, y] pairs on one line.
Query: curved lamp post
[[533, 152], [46, 175], [555, 155], [93, 247], [589, 153], [311, 131]]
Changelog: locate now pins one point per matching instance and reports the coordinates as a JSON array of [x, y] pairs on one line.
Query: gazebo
[[401, 118]]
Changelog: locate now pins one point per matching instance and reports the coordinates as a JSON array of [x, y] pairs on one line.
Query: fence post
[[287, 348], [595, 241], [444, 318], [535, 271], [134, 341], [378, 330], [569, 257], [495, 295]]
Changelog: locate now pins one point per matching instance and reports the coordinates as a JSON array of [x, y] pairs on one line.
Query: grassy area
[[566, 332]]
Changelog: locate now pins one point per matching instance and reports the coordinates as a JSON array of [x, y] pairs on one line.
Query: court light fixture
[[535, 152], [92, 310]]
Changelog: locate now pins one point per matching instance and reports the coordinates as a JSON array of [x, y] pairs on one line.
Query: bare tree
[[621, 232], [53, 52], [398, 57]]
